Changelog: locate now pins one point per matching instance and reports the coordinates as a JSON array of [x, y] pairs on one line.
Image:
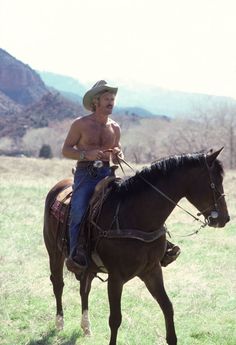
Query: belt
[[86, 164]]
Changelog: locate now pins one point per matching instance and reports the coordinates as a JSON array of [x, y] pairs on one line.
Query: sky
[[186, 45]]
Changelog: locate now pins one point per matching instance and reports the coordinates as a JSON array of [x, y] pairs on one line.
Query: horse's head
[[206, 193]]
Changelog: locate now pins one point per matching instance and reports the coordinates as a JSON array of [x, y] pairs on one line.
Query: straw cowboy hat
[[100, 86]]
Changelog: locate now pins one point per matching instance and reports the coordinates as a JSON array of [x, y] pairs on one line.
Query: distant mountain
[[72, 96], [74, 90], [63, 83], [149, 99], [132, 111], [18, 81], [168, 102]]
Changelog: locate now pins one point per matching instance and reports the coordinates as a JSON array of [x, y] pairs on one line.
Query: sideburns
[[95, 103]]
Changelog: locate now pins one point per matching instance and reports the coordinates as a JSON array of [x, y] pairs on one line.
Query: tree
[[45, 151]]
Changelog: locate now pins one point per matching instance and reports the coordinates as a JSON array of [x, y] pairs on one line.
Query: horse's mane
[[162, 167]]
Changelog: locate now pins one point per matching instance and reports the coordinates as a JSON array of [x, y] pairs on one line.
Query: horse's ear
[[211, 156]]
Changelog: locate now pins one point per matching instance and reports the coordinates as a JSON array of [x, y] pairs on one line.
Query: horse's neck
[[151, 209]]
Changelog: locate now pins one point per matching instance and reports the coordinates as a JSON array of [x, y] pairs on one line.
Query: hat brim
[[88, 97]]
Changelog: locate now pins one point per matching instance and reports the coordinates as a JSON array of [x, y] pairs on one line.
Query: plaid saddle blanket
[[61, 205]]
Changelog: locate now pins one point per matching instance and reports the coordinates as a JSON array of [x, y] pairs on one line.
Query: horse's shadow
[[47, 338]]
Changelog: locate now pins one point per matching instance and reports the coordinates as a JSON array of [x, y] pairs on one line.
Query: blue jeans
[[85, 182]]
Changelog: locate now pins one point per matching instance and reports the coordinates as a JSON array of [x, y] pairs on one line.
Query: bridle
[[214, 206]]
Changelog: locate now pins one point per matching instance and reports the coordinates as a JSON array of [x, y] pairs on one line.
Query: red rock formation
[[18, 81]]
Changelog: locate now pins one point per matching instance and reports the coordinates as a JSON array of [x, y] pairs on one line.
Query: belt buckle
[[98, 164]]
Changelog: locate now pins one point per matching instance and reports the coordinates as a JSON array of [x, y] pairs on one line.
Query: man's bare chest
[[98, 135]]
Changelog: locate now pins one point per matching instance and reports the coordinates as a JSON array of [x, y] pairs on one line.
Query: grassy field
[[201, 283]]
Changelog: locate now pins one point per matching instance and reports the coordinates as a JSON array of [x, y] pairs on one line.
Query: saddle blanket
[[61, 204]]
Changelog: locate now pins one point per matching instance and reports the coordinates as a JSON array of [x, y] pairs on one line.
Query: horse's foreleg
[[85, 286], [115, 287], [56, 267], [155, 285]]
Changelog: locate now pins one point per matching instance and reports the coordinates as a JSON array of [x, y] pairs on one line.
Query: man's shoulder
[[114, 123], [81, 119]]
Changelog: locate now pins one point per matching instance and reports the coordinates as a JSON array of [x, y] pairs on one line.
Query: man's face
[[105, 103]]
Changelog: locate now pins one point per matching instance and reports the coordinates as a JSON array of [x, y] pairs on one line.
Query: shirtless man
[[91, 138]]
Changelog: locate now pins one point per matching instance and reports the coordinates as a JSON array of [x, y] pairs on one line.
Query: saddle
[[61, 205], [60, 210]]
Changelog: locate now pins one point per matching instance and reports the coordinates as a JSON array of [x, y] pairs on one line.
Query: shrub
[[45, 151]]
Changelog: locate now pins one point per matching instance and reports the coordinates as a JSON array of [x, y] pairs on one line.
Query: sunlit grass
[[201, 283]]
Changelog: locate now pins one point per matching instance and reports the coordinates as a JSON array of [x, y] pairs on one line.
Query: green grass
[[201, 283]]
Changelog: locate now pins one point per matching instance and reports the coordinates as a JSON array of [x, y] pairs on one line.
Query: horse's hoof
[[87, 332], [85, 323], [59, 322]]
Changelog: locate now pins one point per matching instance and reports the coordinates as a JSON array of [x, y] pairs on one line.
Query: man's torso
[[95, 135]]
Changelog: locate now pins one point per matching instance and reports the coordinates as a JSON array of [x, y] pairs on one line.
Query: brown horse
[[137, 208]]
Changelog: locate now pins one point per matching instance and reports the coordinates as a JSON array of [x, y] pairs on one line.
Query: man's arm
[[69, 150], [117, 151]]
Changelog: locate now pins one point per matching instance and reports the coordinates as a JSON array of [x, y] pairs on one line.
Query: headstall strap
[[213, 187]]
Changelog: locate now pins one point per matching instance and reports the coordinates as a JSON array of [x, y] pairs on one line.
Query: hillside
[[26, 102], [8, 106], [51, 107]]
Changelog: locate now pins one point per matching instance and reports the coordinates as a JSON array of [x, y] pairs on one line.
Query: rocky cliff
[[18, 81], [8, 106], [26, 102]]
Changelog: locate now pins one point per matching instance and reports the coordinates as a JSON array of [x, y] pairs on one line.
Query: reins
[[203, 223]]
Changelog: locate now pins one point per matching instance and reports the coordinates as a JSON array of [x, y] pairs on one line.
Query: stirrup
[[74, 266]]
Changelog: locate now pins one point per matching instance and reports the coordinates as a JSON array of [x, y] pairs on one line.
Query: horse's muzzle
[[218, 222]]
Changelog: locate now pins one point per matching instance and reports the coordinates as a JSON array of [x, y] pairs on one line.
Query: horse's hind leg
[[56, 266], [85, 286], [155, 285], [115, 287]]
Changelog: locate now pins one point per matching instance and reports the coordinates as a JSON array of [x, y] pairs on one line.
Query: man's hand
[[115, 153], [94, 155]]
